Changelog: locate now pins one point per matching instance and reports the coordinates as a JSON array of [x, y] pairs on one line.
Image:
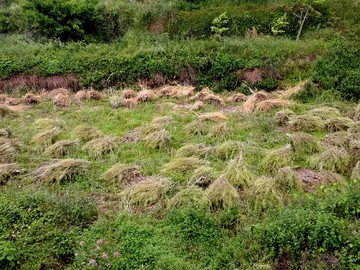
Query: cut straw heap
[[222, 194], [304, 143], [99, 147], [183, 165], [203, 176], [238, 173], [61, 170], [8, 149], [193, 150], [87, 133], [119, 175], [147, 193], [61, 148], [190, 196], [46, 138], [306, 123], [7, 171], [277, 158], [45, 124]]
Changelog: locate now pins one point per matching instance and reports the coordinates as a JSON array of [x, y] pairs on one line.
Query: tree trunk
[[302, 22]]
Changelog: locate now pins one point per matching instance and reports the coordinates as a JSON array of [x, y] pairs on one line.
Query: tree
[[303, 11], [219, 25]]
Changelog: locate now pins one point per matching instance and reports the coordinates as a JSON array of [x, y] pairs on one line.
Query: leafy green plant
[[219, 25], [7, 255]]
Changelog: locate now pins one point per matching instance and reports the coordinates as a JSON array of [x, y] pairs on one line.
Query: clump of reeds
[[7, 171], [282, 117], [147, 193], [190, 196], [304, 143], [334, 159], [222, 194], [87, 133], [203, 176], [183, 165], [99, 147], [61, 170], [121, 174], [338, 124], [46, 138], [238, 173], [61, 148], [306, 123], [193, 150]]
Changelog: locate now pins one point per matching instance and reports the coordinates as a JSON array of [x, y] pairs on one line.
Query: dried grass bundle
[[4, 132], [197, 127], [45, 124], [61, 170], [269, 104], [115, 101], [325, 112], [282, 117], [95, 95], [251, 101], [198, 105], [147, 193], [278, 158], [304, 143], [238, 174], [87, 133], [7, 171], [228, 149], [168, 91], [355, 173], [237, 97], [193, 150], [145, 96], [200, 96], [287, 181], [203, 176], [8, 150], [128, 93], [82, 95], [6, 111], [120, 175], [46, 138], [61, 100], [12, 101], [30, 99], [183, 165], [338, 124], [338, 139], [61, 148], [334, 159], [213, 100], [222, 194], [221, 131], [190, 196], [213, 116], [158, 139], [306, 123], [97, 148], [357, 113], [129, 103], [312, 180]]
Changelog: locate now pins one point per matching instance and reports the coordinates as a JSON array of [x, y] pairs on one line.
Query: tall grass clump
[[97, 148], [61, 148], [278, 158], [121, 174], [146, 193], [46, 138], [61, 170], [222, 194], [238, 173], [191, 196]]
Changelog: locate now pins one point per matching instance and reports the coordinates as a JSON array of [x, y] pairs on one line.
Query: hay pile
[[4, 132], [61, 170], [128, 93], [87, 133], [82, 95], [203, 176], [278, 158], [237, 97], [61, 148], [222, 194], [287, 181], [282, 117], [6, 111], [190, 196], [238, 174], [155, 135], [115, 101], [167, 91], [213, 100], [7, 171], [147, 193], [97, 148], [43, 124], [9, 148], [221, 131], [251, 102], [61, 100], [213, 116], [306, 123], [336, 139], [325, 112], [228, 150], [197, 127], [355, 173], [31, 99], [304, 143], [145, 96], [338, 123], [183, 165], [95, 95], [46, 138], [193, 150], [200, 96], [198, 105], [357, 113], [268, 104], [120, 175]]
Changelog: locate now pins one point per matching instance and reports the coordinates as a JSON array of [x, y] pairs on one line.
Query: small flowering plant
[[98, 254]]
